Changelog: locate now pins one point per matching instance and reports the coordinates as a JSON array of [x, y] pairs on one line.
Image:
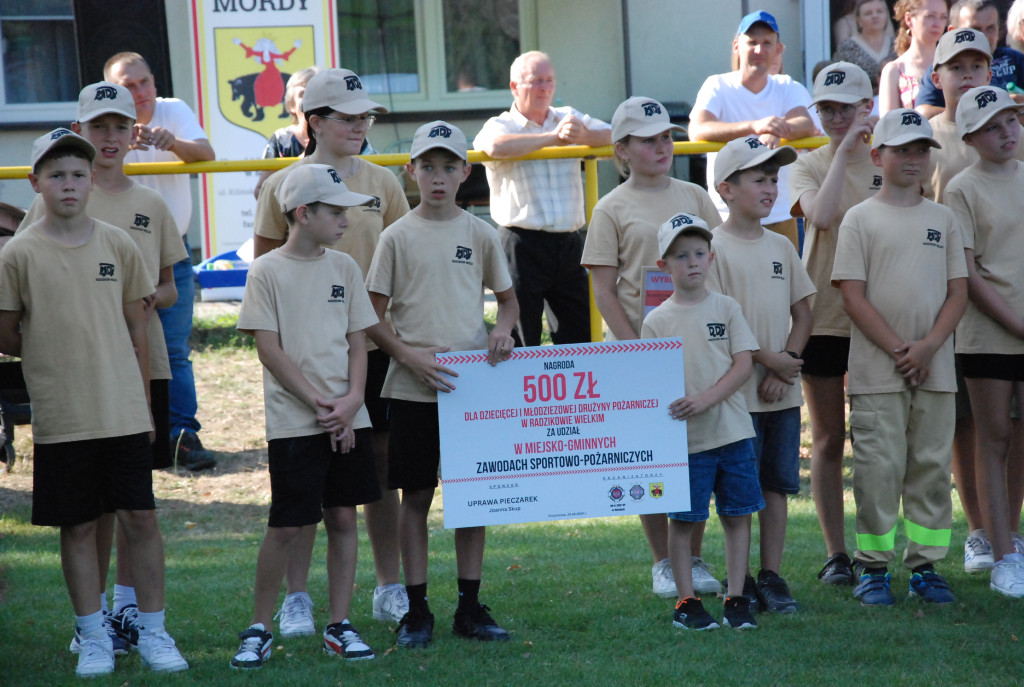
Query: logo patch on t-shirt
[[373, 205], [463, 255], [932, 238], [106, 272], [717, 332], [876, 181], [777, 271], [337, 294], [141, 223]]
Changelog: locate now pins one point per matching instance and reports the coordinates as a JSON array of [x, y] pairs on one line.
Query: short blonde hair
[[128, 58]]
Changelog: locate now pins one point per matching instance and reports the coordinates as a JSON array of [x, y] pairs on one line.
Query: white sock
[[91, 626], [123, 596], [103, 603], [150, 623]]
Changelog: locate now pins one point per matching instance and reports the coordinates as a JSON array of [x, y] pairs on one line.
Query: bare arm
[[506, 146], [889, 88], [736, 376], [784, 369], [138, 329], [284, 369], [420, 360], [166, 291], [915, 361], [337, 414], [500, 342], [10, 332], [261, 245], [867, 318], [929, 111], [987, 299], [822, 207], [187, 150], [796, 123], [605, 278]]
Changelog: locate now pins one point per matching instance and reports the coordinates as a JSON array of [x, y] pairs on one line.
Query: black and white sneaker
[[120, 645], [126, 624], [737, 613], [254, 649], [341, 639], [690, 615]]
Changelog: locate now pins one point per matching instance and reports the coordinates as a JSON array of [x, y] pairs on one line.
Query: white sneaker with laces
[[390, 603], [1008, 576], [95, 657], [663, 584], [703, 581], [159, 653], [296, 616], [977, 552], [1018, 542]]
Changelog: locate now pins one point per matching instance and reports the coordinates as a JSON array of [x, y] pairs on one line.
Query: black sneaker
[[415, 631], [749, 591], [254, 649], [773, 593], [838, 570], [477, 623], [737, 613], [190, 454], [690, 615], [126, 625]]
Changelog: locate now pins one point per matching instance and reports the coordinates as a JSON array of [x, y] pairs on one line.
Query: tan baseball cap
[[60, 138], [744, 153], [103, 98], [439, 134], [957, 41], [641, 116], [979, 105], [683, 223], [842, 82], [313, 183], [339, 89], [900, 126]]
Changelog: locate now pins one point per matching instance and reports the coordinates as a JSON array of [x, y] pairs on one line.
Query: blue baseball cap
[[759, 17]]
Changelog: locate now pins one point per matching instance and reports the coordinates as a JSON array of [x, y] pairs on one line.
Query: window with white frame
[[38, 61], [417, 55]]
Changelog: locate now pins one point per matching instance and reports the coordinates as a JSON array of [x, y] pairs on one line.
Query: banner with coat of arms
[[244, 54]]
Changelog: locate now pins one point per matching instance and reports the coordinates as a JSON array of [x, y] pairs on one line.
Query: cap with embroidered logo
[[439, 134], [759, 17], [339, 89], [60, 138], [681, 224], [641, 116], [313, 183], [900, 126], [105, 98], [980, 104], [842, 82], [952, 43], [747, 152]]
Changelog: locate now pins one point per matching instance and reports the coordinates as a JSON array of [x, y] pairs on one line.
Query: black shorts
[[1008, 368], [377, 362], [826, 356], [414, 448], [75, 482], [160, 403], [306, 476]]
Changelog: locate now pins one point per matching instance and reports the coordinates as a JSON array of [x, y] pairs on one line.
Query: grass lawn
[[574, 594]]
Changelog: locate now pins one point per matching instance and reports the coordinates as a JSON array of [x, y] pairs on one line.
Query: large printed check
[[558, 432]]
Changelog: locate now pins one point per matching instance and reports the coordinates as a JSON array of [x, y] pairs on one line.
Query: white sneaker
[[95, 657], [663, 584], [703, 581], [390, 603], [1008, 576], [296, 616], [159, 653], [1018, 542], [977, 552]]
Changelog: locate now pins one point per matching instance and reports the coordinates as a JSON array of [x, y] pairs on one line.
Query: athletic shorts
[[377, 362], [306, 476], [826, 356], [414, 447], [730, 472], [1009, 368], [75, 482], [160, 403]]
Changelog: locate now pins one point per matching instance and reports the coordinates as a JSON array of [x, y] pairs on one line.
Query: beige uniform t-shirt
[[313, 304], [954, 157], [434, 274], [861, 180], [905, 256], [623, 233], [79, 362], [989, 209], [766, 277], [712, 332]]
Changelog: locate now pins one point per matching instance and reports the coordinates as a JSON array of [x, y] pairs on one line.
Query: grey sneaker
[[703, 581], [296, 616], [1018, 542], [390, 603], [1008, 576], [95, 657], [978, 552], [662, 582], [158, 653]]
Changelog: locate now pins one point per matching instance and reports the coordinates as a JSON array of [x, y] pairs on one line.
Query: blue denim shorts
[[730, 472], [777, 446]]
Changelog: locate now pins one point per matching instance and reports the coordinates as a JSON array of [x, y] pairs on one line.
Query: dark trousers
[[545, 266]]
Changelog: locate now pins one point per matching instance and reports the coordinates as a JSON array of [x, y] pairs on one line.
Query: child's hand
[[859, 134], [432, 373], [499, 346], [343, 441], [913, 360], [336, 413], [782, 365], [687, 406], [772, 389]]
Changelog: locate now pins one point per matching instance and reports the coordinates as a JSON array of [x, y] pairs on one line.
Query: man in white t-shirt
[[538, 204], [167, 130], [752, 101]]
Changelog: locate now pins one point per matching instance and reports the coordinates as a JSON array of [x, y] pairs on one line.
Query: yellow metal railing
[[590, 156]]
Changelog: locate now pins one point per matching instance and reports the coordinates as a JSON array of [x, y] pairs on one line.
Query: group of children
[[886, 278]]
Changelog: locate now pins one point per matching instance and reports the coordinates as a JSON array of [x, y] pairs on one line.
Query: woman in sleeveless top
[[922, 23]]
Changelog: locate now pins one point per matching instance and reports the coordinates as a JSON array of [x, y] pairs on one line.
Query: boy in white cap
[[763, 272], [719, 433], [824, 184], [622, 244], [432, 266], [91, 426], [900, 269], [307, 308], [106, 116], [988, 201], [338, 114]]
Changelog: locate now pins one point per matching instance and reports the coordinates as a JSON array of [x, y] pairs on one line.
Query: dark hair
[[766, 167], [290, 215], [319, 112], [448, 153], [59, 152]]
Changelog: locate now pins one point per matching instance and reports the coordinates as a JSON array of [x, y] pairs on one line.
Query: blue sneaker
[[930, 586], [873, 589]]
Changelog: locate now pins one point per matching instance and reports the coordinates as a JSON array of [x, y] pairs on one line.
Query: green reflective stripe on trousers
[[878, 542], [925, 536]]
